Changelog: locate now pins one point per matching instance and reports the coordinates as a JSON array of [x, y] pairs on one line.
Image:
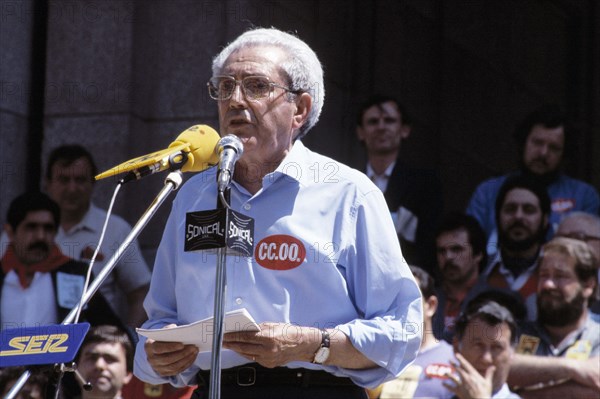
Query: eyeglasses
[[221, 88], [578, 235]]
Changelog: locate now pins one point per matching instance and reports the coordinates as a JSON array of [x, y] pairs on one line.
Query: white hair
[[302, 65], [592, 219]]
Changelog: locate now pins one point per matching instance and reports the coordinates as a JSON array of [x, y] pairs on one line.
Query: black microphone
[[229, 149], [87, 386]]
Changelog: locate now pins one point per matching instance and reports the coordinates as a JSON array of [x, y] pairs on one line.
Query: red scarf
[[11, 262]]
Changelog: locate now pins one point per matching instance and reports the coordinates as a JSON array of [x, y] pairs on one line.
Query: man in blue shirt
[[541, 139], [337, 306], [424, 378]]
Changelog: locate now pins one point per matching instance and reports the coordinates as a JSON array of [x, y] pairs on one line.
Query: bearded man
[[522, 211], [542, 138], [558, 354]]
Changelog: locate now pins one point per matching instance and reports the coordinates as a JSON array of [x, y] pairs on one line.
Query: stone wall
[[124, 78]]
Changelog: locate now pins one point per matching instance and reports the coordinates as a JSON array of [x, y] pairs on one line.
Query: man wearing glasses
[[337, 306]]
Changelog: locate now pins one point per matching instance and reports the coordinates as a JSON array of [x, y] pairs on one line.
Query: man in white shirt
[[413, 195], [70, 181]]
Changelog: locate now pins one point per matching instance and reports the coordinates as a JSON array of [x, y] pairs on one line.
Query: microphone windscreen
[[230, 141], [202, 140]]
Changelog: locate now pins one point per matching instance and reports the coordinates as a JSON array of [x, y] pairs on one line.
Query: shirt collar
[[87, 223], [293, 166], [492, 264], [498, 262], [568, 341], [386, 173], [461, 295]]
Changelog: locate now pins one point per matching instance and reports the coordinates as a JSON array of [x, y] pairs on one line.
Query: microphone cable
[[224, 200], [97, 250]]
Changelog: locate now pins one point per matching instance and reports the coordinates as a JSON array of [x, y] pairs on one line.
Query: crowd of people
[[500, 300], [504, 245]]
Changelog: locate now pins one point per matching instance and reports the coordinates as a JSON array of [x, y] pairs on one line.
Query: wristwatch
[[322, 353]]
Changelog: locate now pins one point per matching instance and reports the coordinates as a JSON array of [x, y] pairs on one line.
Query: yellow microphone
[[194, 148]]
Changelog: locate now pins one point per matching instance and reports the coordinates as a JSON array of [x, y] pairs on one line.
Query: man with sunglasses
[[337, 305]]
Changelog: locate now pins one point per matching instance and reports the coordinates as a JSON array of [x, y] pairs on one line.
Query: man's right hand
[[169, 358], [468, 382]]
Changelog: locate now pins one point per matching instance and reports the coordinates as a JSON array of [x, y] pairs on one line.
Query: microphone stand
[[214, 387], [172, 183]]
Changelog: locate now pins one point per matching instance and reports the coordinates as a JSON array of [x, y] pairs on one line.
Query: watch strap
[[325, 339], [322, 352]]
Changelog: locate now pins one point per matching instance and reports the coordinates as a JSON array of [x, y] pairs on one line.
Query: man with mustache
[[69, 181], [541, 138], [522, 213], [558, 354], [38, 284], [460, 248]]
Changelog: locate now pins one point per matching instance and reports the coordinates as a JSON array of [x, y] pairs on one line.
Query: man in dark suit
[[413, 195]]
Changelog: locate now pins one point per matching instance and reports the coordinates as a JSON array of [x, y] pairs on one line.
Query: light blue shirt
[[342, 267]]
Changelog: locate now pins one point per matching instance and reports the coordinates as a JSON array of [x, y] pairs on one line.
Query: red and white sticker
[[560, 205], [280, 252], [439, 370]]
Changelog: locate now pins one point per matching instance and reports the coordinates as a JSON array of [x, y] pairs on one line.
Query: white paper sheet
[[200, 333]]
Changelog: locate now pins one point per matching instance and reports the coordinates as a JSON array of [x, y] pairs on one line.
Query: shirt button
[[247, 207], [238, 301]]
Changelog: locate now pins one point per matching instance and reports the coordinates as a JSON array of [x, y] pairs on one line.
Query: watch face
[[321, 355]]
